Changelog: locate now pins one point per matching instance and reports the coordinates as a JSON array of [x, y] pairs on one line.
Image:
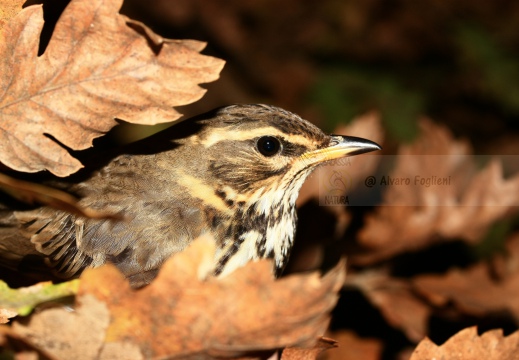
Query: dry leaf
[[473, 291], [507, 264], [298, 353], [479, 290], [413, 217], [226, 317], [396, 301], [6, 314], [68, 335], [8, 9], [120, 351], [352, 347], [467, 345], [94, 69], [14, 346]]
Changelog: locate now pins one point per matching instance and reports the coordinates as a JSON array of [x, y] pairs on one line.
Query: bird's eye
[[268, 145]]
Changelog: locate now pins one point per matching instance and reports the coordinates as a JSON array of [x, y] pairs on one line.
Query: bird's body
[[234, 173]]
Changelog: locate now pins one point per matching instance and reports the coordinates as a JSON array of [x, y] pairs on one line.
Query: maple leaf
[[413, 217], [98, 66], [468, 345]]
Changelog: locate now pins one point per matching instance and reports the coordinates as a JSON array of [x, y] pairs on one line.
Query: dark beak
[[341, 146]]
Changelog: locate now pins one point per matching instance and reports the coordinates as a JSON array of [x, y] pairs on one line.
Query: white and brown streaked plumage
[[234, 172]]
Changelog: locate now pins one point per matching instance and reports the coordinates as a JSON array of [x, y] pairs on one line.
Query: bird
[[234, 173]]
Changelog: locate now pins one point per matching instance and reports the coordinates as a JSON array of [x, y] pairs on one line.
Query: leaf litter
[[74, 105]]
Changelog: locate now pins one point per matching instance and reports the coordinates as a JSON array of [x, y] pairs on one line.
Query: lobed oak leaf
[[246, 311], [98, 66], [468, 345], [413, 217]]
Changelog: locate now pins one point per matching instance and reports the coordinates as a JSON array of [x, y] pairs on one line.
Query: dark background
[[331, 60], [455, 62]]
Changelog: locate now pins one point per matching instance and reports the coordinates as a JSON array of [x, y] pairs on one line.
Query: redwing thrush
[[234, 172]]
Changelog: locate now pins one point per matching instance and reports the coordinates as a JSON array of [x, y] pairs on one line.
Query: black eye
[[268, 145]]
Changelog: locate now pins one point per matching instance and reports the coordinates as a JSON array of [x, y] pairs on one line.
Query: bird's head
[[255, 160], [255, 149]]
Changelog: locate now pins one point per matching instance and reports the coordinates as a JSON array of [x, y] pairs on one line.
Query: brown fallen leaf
[[6, 314], [395, 299], [15, 346], [468, 345], [312, 353], [8, 9], [352, 347], [413, 217], [507, 264], [68, 335], [220, 317], [473, 291], [95, 68], [33, 193]]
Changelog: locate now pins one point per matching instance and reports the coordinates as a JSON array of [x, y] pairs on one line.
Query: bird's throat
[[262, 229]]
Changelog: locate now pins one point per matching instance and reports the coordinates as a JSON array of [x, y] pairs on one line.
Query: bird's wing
[[147, 233]]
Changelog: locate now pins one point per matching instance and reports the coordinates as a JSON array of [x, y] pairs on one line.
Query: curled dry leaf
[[33, 193], [468, 345], [352, 347], [413, 217], [95, 68], [396, 301], [245, 311], [311, 353], [474, 291]]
